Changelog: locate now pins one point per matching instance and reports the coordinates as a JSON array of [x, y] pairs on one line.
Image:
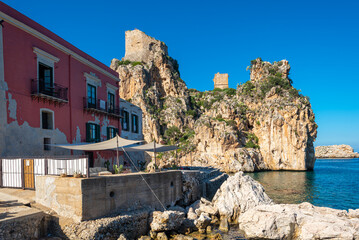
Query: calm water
[[333, 183]]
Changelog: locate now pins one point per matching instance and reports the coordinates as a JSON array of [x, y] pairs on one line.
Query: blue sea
[[333, 183]]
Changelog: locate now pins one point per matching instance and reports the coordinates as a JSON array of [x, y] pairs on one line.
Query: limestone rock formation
[[238, 194], [335, 151], [166, 221], [264, 124], [297, 221]]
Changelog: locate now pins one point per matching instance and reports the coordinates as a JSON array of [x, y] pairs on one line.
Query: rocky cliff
[[335, 151], [263, 124]]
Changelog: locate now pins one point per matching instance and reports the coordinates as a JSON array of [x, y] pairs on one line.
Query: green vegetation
[[117, 169], [192, 113], [136, 63], [174, 64], [248, 88], [252, 141], [229, 91], [127, 62], [172, 134], [231, 123], [273, 81]]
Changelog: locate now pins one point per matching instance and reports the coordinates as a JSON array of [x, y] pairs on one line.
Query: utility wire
[[144, 179]]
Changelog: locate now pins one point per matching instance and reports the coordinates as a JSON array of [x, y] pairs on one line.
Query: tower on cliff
[[220, 80]]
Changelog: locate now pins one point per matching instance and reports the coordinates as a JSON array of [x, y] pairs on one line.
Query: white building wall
[[136, 157]]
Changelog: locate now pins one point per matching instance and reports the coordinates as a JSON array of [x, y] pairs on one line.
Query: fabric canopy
[[150, 147], [105, 145]]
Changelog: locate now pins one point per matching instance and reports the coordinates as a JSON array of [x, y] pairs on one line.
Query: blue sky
[[320, 39]]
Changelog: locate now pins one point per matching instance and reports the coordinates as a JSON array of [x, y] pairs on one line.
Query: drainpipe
[[69, 92]]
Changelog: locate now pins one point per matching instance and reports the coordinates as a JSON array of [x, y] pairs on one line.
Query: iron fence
[[22, 172]]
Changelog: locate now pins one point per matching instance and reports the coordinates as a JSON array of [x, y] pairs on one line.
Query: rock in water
[[238, 194], [202, 222], [335, 151], [166, 221], [297, 221], [263, 124]]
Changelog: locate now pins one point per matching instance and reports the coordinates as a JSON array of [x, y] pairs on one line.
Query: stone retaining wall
[[90, 198], [30, 226]]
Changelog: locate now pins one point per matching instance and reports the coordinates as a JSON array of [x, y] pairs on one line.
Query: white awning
[[150, 147], [105, 145]]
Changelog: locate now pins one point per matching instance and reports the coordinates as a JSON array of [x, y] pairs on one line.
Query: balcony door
[[91, 96], [46, 82]]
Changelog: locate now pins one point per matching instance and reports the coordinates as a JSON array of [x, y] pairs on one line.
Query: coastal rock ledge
[[335, 151], [299, 221]]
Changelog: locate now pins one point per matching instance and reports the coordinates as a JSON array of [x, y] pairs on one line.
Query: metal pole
[[154, 151], [118, 161], [176, 153], [0, 172]]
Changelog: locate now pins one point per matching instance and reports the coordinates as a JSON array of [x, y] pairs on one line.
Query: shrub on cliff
[[230, 91], [192, 113], [248, 88], [273, 81], [172, 134], [252, 141]]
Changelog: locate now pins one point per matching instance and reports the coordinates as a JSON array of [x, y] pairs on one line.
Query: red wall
[[20, 66]]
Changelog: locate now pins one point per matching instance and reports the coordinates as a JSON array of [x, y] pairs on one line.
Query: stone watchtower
[[220, 80]]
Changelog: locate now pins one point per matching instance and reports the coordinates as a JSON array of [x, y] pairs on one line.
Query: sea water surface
[[333, 183]]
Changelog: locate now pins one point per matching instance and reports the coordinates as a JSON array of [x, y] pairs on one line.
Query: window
[[45, 71], [47, 142], [47, 119], [46, 81], [111, 132], [134, 123], [91, 96], [92, 132], [125, 121], [110, 102]]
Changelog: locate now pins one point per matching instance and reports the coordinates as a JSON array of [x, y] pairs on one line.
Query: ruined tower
[[220, 80]]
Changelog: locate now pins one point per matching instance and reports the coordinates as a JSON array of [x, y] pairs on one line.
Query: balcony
[[52, 92], [100, 106]]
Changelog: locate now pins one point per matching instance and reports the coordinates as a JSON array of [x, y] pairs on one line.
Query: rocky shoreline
[[240, 201], [335, 151]]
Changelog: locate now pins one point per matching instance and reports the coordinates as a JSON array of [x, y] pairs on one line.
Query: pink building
[[51, 92]]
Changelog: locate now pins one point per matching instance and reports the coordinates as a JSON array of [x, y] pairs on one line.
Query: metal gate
[[22, 172], [29, 176]]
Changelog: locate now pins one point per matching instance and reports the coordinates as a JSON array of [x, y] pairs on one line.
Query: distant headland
[[335, 151]]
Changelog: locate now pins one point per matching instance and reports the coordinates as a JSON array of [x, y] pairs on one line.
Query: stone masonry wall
[[90, 198], [221, 80], [26, 227]]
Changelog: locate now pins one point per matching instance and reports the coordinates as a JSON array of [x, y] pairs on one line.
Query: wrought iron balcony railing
[[52, 91], [99, 105]]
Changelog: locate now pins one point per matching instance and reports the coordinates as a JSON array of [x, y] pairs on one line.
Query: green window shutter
[[108, 133], [98, 135], [88, 132]]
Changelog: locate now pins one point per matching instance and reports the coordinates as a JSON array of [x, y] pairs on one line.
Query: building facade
[[52, 93], [131, 128]]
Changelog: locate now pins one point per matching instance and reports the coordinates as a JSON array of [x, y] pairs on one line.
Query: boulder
[[203, 221], [297, 221], [203, 206], [191, 214], [162, 236], [238, 194], [166, 221]]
